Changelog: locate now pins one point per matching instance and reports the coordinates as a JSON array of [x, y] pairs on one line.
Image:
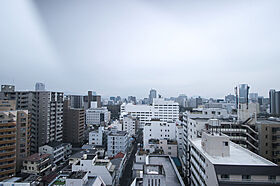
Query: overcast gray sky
[[128, 47]]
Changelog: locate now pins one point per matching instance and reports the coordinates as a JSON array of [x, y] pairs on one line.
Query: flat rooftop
[[238, 156], [172, 178]]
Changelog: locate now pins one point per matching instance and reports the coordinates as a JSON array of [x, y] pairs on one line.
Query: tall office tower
[[242, 93], [15, 135], [92, 100], [76, 101], [40, 87], [73, 123], [153, 94], [274, 101], [46, 111]]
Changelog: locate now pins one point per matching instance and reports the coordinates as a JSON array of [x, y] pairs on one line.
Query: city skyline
[[127, 48]]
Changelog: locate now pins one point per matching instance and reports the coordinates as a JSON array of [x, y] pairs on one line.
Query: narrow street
[[126, 178]]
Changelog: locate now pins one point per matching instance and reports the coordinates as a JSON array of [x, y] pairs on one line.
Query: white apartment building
[[156, 170], [95, 167], [163, 146], [96, 137], [160, 109], [215, 160], [117, 141], [157, 129], [97, 116], [130, 125]]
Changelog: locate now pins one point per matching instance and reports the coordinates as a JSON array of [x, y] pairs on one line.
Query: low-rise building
[[96, 167], [157, 129], [166, 147], [82, 178], [117, 141], [59, 151], [97, 137], [37, 164], [97, 116], [215, 160], [158, 170], [130, 124]]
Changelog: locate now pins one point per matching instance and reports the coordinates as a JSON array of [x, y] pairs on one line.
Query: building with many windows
[[157, 129], [97, 116], [46, 113], [73, 124], [160, 109], [117, 141], [215, 160]]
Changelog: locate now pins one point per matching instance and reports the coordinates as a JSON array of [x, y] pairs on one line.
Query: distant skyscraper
[[274, 101], [253, 97], [153, 94], [92, 97], [40, 87], [242, 93]]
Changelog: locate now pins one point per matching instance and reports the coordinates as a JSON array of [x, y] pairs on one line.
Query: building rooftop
[[118, 133], [81, 153], [77, 175], [36, 157], [54, 144], [238, 155], [269, 121], [172, 175]]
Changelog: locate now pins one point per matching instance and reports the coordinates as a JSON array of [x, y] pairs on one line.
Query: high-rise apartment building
[[73, 123], [21, 118], [46, 112], [15, 141]]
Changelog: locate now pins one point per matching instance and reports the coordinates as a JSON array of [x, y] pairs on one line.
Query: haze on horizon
[[128, 47]]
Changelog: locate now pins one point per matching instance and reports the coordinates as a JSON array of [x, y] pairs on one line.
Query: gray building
[[40, 87], [274, 101], [152, 95], [46, 112], [76, 101]]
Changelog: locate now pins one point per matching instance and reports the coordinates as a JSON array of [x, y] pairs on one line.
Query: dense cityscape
[[139, 93], [52, 138]]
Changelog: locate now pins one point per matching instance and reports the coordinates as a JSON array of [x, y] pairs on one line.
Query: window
[[225, 143], [246, 177], [272, 178], [225, 177]]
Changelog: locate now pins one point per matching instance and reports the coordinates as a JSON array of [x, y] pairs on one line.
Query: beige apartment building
[[269, 139]]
